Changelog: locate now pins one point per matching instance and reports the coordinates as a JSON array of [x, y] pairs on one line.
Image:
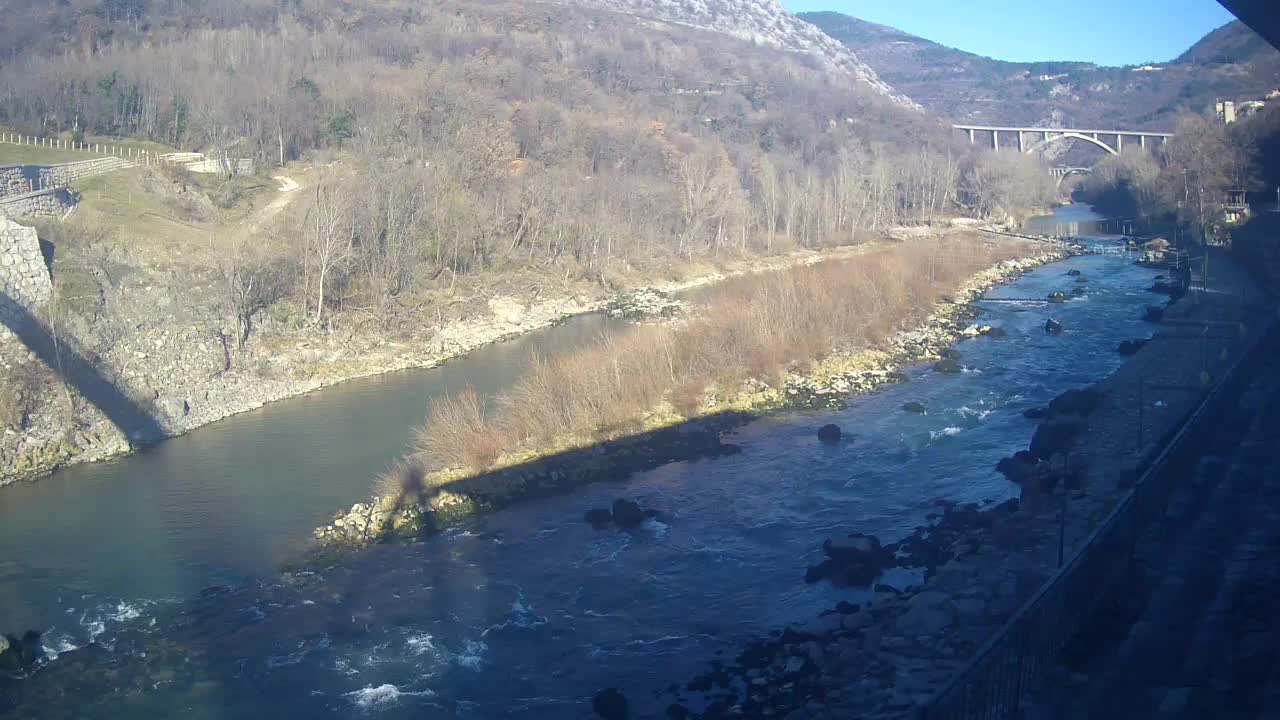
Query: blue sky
[[1107, 32]]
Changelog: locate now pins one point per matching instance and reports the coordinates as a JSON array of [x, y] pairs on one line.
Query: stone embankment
[[827, 385], [889, 656]]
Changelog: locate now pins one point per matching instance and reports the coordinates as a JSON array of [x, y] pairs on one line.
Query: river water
[[527, 611]]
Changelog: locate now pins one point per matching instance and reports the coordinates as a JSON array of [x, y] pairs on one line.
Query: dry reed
[[757, 327]]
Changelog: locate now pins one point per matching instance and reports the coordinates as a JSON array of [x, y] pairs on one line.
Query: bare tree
[[252, 279], [329, 235]]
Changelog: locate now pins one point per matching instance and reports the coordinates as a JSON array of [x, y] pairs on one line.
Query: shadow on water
[[263, 648], [137, 425]]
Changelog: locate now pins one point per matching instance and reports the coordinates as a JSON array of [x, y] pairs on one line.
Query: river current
[[527, 611]]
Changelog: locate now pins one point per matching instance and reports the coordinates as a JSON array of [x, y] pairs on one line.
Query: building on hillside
[[1226, 111]]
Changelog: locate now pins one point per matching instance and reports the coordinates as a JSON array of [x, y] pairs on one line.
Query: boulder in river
[[1036, 413], [598, 518], [1057, 297], [1130, 347], [1053, 327], [610, 704], [1154, 313], [951, 354], [914, 407], [1078, 292], [829, 433], [854, 560], [995, 331], [1075, 273], [628, 514], [18, 654], [1082, 279], [947, 365]]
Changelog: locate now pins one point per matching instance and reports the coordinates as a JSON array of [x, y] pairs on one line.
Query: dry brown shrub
[[458, 434], [755, 327]]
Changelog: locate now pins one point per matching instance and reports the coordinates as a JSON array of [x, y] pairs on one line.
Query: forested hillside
[[481, 135], [1231, 62]]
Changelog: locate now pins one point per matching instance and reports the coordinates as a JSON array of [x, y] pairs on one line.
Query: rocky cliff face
[[759, 21]]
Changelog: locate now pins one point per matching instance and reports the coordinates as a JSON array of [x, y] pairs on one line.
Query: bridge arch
[[1075, 135], [1064, 173]]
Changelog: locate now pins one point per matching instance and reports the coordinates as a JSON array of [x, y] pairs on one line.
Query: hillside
[[1231, 62], [764, 22]]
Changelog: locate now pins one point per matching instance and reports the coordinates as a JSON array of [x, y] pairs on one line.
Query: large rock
[[854, 560], [829, 433], [1130, 347], [628, 514], [1036, 413], [947, 365], [1019, 468], [1077, 401], [928, 614], [599, 518], [17, 654], [1053, 327], [507, 309], [1057, 297], [610, 704], [914, 406], [1055, 435]]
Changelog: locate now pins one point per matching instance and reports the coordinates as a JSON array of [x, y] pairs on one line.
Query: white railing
[[111, 150]]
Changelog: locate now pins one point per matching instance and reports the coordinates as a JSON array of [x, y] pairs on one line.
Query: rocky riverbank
[[185, 378], [886, 657], [671, 437]]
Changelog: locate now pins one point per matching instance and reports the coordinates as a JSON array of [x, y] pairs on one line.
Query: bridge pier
[[970, 136], [1119, 144], [995, 140], [1020, 143], [1142, 141]]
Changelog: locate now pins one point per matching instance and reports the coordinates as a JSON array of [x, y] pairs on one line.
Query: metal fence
[[994, 681]]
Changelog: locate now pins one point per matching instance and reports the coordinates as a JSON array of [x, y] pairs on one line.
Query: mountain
[[1231, 62], [763, 22]]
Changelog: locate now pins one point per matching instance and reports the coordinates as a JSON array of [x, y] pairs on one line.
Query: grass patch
[[754, 329], [34, 155]]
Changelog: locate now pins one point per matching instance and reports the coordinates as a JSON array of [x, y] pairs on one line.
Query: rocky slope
[[765, 22], [1231, 62]]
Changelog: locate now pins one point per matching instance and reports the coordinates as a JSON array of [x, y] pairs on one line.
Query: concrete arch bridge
[[1032, 139]]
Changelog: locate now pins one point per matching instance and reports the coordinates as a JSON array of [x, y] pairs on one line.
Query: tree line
[[1189, 180]]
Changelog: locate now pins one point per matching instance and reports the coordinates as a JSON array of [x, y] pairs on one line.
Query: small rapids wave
[[521, 616], [945, 432], [384, 694]]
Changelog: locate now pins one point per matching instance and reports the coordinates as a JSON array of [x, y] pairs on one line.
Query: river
[[526, 611]]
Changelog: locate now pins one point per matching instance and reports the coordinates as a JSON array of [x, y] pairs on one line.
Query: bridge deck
[[989, 128]]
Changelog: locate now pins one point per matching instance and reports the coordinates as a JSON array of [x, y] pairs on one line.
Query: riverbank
[[414, 499], [187, 382], [886, 657]]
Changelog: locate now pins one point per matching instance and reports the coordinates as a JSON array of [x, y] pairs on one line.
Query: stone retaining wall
[[43, 204], [24, 276], [25, 179]]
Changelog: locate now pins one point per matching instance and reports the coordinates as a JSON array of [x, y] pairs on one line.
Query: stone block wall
[[23, 179], [41, 205], [24, 276]]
